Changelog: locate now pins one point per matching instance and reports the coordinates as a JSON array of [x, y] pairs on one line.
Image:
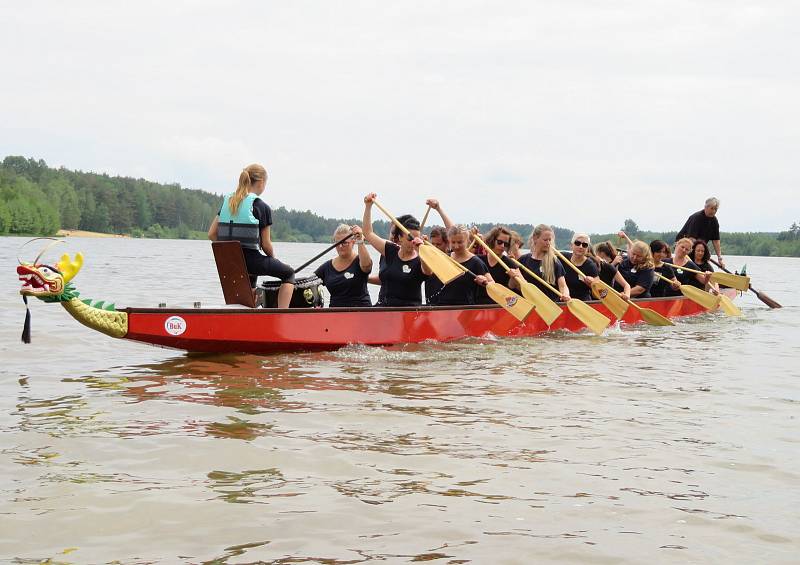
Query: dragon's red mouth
[[32, 282]]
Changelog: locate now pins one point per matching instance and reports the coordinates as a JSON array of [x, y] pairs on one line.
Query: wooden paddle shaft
[[580, 273], [424, 218], [761, 296], [537, 277], [490, 252], [307, 263]]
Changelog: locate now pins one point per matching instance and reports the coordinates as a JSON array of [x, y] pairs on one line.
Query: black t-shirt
[[432, 288], [705, 267], [700, 226], [402, 279], [348, 288], [685, 277], [261, 211], [607, 272], [535, 265], [634, 276], [462, 290], [577, 288], [661, 287], [499, 275]]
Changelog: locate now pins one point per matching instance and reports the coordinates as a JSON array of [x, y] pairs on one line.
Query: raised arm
[[370, 236], [364, 260], [433, 203]]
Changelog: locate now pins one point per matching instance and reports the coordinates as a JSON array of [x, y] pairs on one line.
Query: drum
[[306, 293]]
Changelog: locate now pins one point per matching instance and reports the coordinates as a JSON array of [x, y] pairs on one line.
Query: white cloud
[[576, 113]]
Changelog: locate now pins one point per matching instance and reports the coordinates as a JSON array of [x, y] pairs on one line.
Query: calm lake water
[[667, 445]]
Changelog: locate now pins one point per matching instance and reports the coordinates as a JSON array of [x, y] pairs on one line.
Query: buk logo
[[602, 293], [348, 275], [511, 300], [175, 325], [406, 269]]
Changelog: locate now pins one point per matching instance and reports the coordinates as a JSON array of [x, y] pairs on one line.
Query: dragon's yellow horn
[[70, 268]]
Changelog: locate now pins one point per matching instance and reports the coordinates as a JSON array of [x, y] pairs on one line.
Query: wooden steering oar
[[437, 261], [593, 319], [547, 310], [734, 281], [761, 296], [512, 302], [613, 302], [324, 251]]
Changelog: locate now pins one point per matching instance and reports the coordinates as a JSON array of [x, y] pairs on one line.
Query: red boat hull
[[273, 330]]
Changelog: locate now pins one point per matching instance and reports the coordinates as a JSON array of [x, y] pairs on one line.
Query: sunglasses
[[505, 243], [581, 244]]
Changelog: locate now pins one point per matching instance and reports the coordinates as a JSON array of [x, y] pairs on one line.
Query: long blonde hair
[[549, 259], [644, 250], [250, 175]]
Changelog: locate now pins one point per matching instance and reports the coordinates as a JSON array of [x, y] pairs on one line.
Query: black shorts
[[262, 265]]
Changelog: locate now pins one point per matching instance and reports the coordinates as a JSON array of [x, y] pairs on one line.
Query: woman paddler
[[499, 240], [580, 287], [464, 289], [402, 275], [660, 250], [680, 258], [245, 218], [542, 261], [637, 269], [345, 276]]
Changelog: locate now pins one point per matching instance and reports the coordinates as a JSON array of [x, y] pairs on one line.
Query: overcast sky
[[574, 113]]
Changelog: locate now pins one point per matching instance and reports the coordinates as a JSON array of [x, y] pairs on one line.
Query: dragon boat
[[267, 330]]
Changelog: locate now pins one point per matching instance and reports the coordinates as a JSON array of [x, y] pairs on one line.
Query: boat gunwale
[[340, 310]]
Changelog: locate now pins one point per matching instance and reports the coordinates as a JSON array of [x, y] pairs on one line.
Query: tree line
[[39, 200]]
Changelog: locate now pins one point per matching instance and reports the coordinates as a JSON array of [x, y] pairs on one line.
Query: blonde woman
[[463, 290], [542, 261], [245, 218], [680, 258], [345, 276], [637, 269]]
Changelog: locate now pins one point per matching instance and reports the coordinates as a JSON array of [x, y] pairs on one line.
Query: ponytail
[[247, 178]]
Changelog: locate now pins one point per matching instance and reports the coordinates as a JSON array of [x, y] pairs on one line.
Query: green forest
[[39, 200]]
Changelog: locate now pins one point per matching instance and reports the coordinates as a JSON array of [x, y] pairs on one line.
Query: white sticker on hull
[[175, 325]]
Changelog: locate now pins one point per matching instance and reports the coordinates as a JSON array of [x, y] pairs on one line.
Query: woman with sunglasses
[[499, 240], [345, 276], [660, 251], [403, 273], [680, 259], [580, 288], [542, 261], [637, 269], [464, 289]]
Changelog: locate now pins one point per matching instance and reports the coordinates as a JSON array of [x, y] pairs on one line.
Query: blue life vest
[[242, 226]]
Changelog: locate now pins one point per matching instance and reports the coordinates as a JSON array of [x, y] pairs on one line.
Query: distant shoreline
[[83, 233]]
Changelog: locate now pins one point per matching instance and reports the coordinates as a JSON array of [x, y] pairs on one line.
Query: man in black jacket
[[704, 225]]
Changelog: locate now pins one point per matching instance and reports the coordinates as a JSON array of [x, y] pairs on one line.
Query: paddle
[[424, 219], [734, 281], [593, 319], [324, 251], [513, 303], [547, 310], [438, 262], [728, 306], [697, 295], [761, 296], [614, 303]]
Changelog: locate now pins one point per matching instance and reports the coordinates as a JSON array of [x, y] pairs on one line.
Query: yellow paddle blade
[[653, 318], [593, 319], [441, 265], [701, 297], [738, 282], [546, 309], [728, 306], [510, 300], [614, 302]]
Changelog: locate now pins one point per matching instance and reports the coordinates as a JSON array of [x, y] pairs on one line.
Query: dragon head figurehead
[[50, 283]]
